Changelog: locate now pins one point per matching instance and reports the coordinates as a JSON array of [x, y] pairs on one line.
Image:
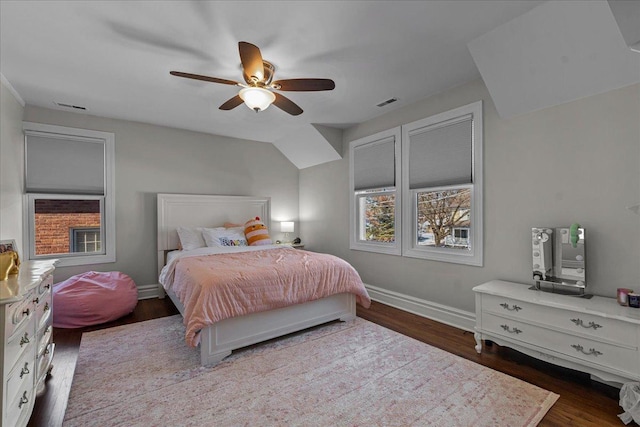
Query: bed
[[218, 338]]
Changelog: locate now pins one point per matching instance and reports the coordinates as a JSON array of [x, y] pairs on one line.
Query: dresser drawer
[[596, 352], [45, 358], [22, 342], [44, 338], [19, 410], [43, 308], [576, 323], [46, 285], [18, 314], [44, 365], [21, 377]]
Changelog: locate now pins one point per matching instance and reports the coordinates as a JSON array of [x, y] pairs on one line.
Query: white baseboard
[[148, 291], [441, 313]]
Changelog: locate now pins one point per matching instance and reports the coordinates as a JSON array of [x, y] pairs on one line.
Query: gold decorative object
[[9, 264]]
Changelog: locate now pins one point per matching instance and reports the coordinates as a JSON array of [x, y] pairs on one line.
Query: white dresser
[[26, 332], [596, 335]]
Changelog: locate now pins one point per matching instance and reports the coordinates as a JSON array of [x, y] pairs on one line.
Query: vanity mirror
[[558, 258]]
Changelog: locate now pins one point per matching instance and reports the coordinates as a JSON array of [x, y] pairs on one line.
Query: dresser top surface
[[30, 275], [601, 306]]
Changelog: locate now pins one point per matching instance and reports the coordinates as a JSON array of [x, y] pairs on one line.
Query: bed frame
[[220, 339]]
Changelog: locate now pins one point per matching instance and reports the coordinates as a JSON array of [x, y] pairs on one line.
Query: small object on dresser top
[[634, 300], [623, 296], [9, 264]]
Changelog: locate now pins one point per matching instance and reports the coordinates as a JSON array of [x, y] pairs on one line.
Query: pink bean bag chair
[[93, 297]]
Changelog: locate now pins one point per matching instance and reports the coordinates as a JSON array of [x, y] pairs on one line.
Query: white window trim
[[409, 247], [109, 223], [354, 242]]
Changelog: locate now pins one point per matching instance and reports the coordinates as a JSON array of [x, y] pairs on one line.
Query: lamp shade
[[257, 98], [286, 226]]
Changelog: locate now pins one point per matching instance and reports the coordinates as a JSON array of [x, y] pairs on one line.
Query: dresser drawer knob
[[511, 331], [47, 286], [24, 370], [36, 301], [25, 339], [24, 399], [593, 325], [26, 312], [46, 306], [591, 352], [512, 308]]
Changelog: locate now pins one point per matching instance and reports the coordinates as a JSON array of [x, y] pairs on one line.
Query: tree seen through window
[[444, 217]]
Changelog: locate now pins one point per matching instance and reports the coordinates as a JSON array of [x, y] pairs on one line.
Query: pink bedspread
[[219, 286]]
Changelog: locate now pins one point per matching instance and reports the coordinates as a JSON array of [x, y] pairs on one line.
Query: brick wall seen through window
[[56, 219]]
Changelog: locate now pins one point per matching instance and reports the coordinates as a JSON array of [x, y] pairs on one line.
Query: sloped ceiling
[[311, 145], [558, 52], [114, 59], [627, 15]]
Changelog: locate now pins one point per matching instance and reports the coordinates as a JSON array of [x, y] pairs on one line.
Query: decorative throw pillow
[[215, 237], [256, 232], [227, 241], [190, 238], [232, 225]]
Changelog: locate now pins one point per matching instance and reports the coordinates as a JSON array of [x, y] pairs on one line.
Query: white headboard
[[199, 210]]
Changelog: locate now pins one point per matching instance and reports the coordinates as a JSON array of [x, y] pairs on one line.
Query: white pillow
[[216, 237], [190, 238]]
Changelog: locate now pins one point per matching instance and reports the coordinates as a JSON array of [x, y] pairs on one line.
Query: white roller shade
[[441, 155], [374, 165], [64, 166]]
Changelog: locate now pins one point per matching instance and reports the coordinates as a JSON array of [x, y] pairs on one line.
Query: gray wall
[[11, 171], [577, 162], [153, 159]]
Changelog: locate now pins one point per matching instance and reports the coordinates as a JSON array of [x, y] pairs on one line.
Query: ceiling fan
[[258, 92]]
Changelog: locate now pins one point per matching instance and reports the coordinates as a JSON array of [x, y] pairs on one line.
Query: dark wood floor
[[582, 402]]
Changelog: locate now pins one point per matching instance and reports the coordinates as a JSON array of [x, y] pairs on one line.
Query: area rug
[[355, 373]]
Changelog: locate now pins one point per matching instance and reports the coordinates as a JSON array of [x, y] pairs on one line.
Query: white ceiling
[[114, 57], [558, 52]]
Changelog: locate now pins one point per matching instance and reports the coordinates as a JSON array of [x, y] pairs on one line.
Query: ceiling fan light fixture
[[258, 75], [257, 98]]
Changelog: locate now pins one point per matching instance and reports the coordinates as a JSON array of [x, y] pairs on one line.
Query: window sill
[[445, 255], [385, 250], [70, 261]]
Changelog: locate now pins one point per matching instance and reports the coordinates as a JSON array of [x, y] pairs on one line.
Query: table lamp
[[286, 227]]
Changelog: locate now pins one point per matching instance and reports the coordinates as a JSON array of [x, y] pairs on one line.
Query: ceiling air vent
[[70, 106], [387, 102]]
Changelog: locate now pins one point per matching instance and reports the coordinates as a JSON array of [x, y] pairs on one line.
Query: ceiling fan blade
[[204, 78], [304, 85], [252, 63], [287, 105], [232, 103]]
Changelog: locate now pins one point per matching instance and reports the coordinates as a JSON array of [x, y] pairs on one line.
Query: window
[[69, 182], [442, 179], [85, 240], [377, 212], [461, 234], [375, 203], [417, 189], [441, 214]]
